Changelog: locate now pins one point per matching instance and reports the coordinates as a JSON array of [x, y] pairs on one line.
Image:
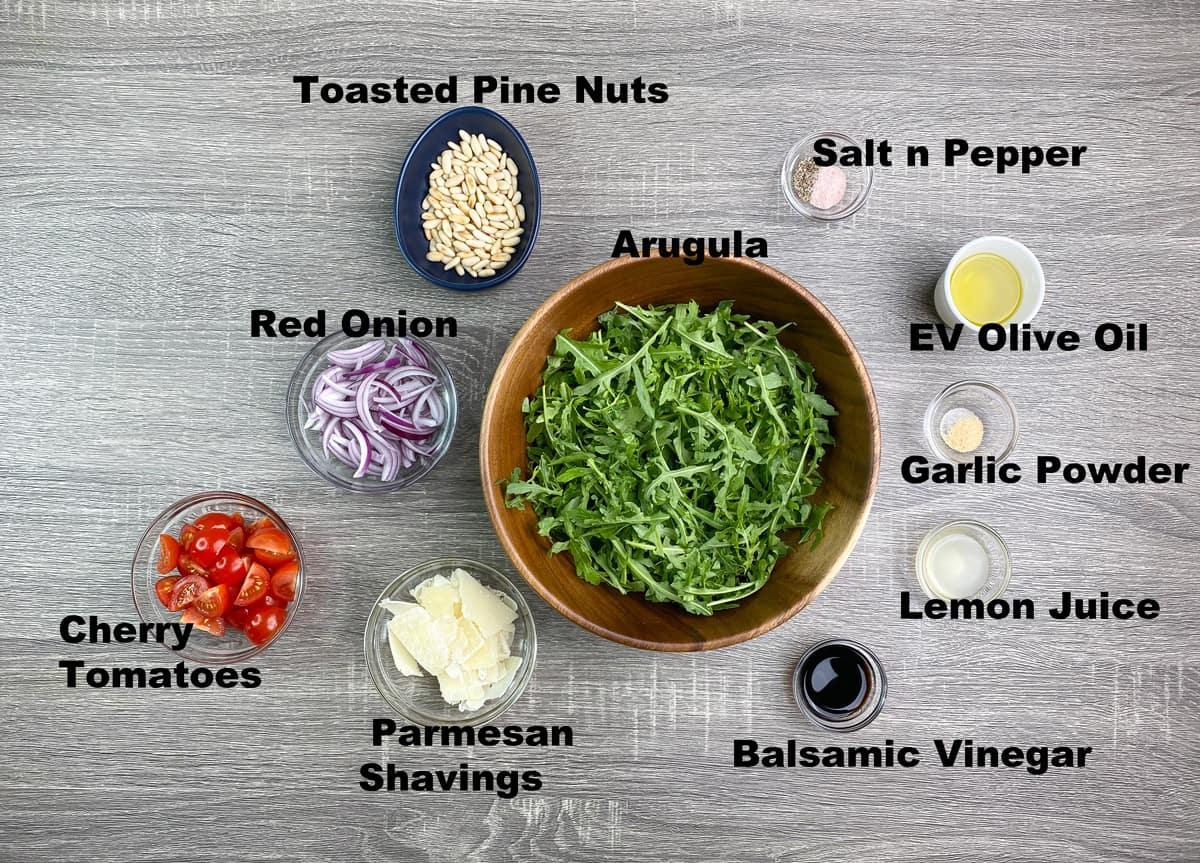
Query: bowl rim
[[298, 433], [176, 509], [532, 222], [490, 711], [495, 501]]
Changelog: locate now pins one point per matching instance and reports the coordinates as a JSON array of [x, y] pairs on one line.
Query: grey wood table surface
[[159, 178]]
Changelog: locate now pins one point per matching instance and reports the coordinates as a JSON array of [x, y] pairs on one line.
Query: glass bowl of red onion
[[371, 414]]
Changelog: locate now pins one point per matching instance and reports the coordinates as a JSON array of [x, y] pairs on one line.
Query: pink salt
[[829, 188]]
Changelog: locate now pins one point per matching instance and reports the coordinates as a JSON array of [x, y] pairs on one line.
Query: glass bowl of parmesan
[[450, 642]]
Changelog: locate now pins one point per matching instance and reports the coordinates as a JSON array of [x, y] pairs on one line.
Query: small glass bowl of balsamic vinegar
[[839, 685]]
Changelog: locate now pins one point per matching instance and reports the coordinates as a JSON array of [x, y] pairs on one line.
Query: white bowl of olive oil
[[991, 280]]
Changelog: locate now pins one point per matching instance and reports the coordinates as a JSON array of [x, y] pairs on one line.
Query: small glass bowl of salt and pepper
[[825, 193]]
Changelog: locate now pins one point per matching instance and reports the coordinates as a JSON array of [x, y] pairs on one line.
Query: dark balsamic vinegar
[[836, 682]]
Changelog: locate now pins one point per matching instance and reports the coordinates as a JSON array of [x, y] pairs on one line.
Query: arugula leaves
[[670, 448]]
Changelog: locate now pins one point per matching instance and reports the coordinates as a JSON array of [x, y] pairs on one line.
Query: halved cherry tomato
[[255, 587], [216, 519], [271, 546], [259, 525], [164, 587], [186, 590], [188, 565], [283, 581], [264, 622], [187, 535], [237, 538], [230, 574], [211, 625], [237, 616], [208, 544], [169, 546], [213, 602], [229, 569]]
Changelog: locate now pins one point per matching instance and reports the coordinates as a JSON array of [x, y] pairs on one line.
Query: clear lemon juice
[[956, 566], [985, 288]]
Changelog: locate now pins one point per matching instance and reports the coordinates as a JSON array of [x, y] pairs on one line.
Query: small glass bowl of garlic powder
[[969, 419], [450, 642]]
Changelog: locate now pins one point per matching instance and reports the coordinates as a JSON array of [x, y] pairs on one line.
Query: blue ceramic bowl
[[413, 186]]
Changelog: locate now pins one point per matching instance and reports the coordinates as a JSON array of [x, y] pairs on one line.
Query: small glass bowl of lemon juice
[[963, 559]]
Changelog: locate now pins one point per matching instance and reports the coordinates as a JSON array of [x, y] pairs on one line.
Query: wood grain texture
[[158, 179]]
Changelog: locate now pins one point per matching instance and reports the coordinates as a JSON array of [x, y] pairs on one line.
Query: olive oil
[[985, 288]]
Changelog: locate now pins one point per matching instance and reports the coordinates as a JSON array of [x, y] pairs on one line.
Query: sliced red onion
[[331, 429], [350, 357], [402, 427], [318, 420], [362, 401], [425, 452], [390, 363], [333, 379], [339, 407], [425, 405], [392, 397], [363, 448], [414, 352], [378, 417]]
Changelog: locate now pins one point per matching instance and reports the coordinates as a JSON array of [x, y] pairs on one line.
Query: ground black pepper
[[803, 177]]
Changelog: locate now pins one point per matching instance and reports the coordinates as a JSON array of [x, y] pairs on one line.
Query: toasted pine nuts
[[473, 214]]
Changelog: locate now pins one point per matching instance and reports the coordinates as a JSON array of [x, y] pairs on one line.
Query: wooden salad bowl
[[850, 468]]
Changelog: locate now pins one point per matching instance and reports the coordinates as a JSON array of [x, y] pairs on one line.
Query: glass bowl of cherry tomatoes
[[225, 563]]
